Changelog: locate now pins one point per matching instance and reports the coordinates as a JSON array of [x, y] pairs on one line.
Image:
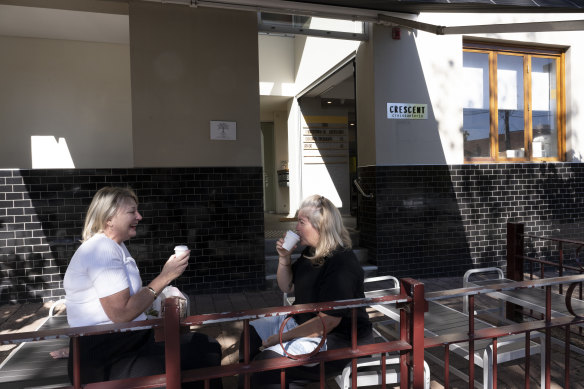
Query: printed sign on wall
[[221, 130], [407, 111]]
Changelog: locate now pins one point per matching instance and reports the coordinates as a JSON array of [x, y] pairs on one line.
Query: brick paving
[[27, 317]]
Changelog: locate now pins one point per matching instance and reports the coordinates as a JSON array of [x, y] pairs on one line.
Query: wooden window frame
[[527, 52]]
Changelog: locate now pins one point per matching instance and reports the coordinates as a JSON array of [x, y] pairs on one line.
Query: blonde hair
[[326, 219], [103, 207]]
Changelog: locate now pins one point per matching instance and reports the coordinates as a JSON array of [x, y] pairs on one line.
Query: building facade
[[456, 134]]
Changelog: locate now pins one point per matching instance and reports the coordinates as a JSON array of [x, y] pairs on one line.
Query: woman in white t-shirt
[[103, 285]]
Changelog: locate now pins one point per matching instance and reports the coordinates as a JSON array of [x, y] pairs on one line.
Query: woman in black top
[[327, 270]]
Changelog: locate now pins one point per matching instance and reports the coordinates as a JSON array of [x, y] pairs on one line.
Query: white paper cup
[[290, 240], [180, 249]]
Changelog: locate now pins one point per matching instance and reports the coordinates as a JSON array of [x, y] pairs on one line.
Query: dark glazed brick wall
[[217, 212], [436, 221]]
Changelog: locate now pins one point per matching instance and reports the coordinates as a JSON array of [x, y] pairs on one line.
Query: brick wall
[[218, 212], [437, 221], [425, 221]]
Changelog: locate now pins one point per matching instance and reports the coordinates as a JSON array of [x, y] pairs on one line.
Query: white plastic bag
[[156, 310]]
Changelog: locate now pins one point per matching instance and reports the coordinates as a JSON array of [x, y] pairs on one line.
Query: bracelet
[[284, 264], [153, 292]]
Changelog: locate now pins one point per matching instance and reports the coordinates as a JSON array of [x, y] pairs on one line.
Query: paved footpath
[[27, 317]]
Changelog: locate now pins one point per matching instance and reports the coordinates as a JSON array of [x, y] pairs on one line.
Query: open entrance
[[328, 151], [329, 141], [323, 153]]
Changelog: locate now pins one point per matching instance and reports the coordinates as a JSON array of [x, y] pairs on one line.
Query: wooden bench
[[30, 365]]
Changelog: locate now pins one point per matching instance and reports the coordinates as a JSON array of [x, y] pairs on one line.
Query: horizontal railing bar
[[214, 318], [284, 362], [578, 242], [205, 319], [499, 332], [31, 336], [543, 261], [153, 381], [498, 287]]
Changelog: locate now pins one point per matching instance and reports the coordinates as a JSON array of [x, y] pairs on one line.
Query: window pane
[[510, 106], [476, 122], [544, 115]]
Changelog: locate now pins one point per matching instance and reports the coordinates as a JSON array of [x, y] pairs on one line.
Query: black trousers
[[295, 375], [136, 354]]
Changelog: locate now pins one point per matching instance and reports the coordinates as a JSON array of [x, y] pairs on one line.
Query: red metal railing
[[545, 325], [168, 329], [516, 257], [410, 343]]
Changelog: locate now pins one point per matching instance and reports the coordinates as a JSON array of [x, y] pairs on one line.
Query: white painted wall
[[287, 67], [281, 154], [425, 68], [276, 65], [316, 56], [73, 97], [191, 66], [90, 106]]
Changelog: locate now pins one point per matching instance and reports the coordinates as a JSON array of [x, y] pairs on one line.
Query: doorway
[[329, 141]]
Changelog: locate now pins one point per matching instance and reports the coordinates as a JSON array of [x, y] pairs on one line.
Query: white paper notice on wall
[[407, 111], [223, 130]]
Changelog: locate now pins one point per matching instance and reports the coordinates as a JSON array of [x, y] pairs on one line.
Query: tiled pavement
[[26, 317]]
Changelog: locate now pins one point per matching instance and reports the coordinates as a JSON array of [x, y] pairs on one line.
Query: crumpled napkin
[[156, 310]]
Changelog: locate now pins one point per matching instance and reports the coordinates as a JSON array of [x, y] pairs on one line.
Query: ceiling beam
[[372, 16], [562, 25]]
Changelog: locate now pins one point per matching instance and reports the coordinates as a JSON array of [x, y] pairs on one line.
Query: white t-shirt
[[99, 268]]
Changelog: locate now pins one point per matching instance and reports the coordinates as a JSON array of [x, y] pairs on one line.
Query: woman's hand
[[284, 272], [309, 329], [282, 252], [121, 307], [273, 340], [175, 266]]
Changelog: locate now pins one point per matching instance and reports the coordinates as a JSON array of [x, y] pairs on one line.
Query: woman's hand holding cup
[[176, 264], [287, 244]]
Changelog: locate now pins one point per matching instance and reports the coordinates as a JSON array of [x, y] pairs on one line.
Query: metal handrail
[[358, 186]]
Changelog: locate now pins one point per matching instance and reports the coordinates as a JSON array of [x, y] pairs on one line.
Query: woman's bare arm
[[284, 272], [120, 307], [310, 329]]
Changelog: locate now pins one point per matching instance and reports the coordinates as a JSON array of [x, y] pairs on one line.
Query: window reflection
[[511, 122], [511, 107], [476, 122], [544, 111]]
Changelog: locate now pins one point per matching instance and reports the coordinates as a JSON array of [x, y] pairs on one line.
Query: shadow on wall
[[439, 221], [414, 227], [217, 212], [554, 204], [40, 232], [547, 198]]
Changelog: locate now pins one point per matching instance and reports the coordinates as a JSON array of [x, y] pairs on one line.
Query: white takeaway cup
[[180, 249], [290, 240]]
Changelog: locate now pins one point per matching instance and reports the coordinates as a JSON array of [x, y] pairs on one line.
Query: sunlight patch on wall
[[49, 153], [266, 88]]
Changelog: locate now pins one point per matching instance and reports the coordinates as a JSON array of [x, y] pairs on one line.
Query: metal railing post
[[172, 342], [418, 306], [514, 262], [76, 363]]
